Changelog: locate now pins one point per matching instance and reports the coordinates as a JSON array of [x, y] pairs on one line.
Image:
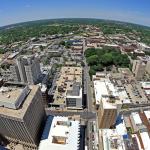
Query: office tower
[[15, 73], [109, 100], [148, 67], [20, 63], [138, 69], [21, 114], [107, 116], [29, 69]]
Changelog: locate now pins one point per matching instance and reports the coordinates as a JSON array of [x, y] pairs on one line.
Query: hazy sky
[[14, 11]]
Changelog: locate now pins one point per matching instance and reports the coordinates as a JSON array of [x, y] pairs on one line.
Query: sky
[[15, 11]]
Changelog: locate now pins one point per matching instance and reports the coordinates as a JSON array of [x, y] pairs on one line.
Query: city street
[[89, 106]]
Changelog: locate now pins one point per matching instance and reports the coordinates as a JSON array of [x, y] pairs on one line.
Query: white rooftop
[[146, 140], [147, 113], [104, 89], [123, 95], [136, 118], [100, 90], [146, 85], [112, 140], [121, 128], [147, 92], [63, 135]]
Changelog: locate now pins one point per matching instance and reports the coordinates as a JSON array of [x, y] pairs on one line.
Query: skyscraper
[[21, 114], [138, 69], [29, 69]]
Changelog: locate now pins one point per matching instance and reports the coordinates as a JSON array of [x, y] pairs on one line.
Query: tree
[[41, 48], [62, 43], [92, 72], [2, 51], [92, 60], [68, 44], [107, 59], [90, 51]]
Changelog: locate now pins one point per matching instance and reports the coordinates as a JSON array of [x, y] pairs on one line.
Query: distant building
[[29, 69], [60, 133], [143, 47], [6, 74], [138, 69], [148, 67], [25, 70], [15, 73], [21, 114]]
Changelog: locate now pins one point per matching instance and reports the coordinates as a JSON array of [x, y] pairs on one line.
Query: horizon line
[[111, 20]]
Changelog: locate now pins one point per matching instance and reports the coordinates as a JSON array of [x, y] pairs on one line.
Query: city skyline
[[29, 10]]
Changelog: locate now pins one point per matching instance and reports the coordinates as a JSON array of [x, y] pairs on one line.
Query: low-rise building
[[131, 132], [68, 91], [60, 133]]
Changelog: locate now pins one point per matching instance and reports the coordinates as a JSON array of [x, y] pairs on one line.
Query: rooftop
[[12, 97], [68, 83], [10, 109], [147, 114], [60, 133], [136, 118], [145, 140], [106, 92], [145, 85], [112, 140]]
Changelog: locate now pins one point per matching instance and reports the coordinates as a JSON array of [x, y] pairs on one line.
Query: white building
[[60, 133], [144, 47], [104, 88]]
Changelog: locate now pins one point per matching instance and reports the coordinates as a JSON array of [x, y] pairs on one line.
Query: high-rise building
[[29, 69], [109, 100], [148, 67], [20, 63], [15, 73], [138, 69], [107, 115], [21, 114]]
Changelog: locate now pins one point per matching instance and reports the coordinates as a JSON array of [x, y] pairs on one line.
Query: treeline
[[23, 33], [25, 30], [98, 59]]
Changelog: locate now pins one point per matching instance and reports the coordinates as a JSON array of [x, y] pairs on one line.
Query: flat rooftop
[[145, 85], [112, 140], [147, 114], [145, 140], [136, 93], [11, 97], [125, 71], [19, 112], [107, 93], [60, 133], [136, 118], [70, 79]]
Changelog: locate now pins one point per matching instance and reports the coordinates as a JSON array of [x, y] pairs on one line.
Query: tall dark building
[[21, 114]]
